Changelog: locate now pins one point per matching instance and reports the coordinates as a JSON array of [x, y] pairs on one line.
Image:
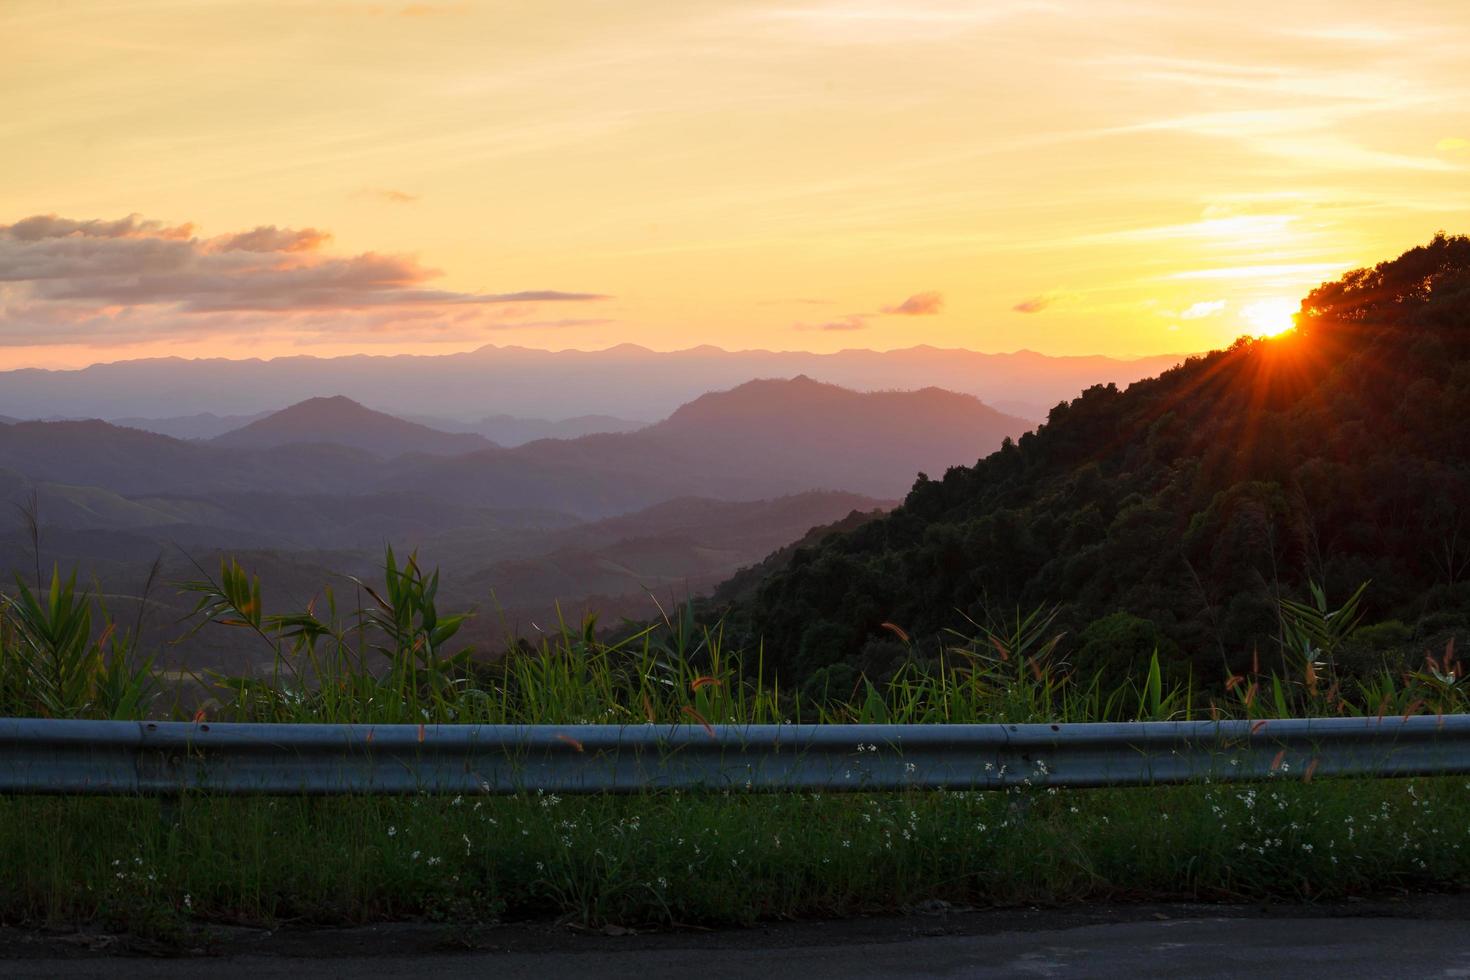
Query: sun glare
[[1269, 317]]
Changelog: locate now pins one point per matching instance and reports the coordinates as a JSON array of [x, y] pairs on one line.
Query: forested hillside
[[1176, 513]]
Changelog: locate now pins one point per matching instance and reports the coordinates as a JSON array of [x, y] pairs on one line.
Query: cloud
[[919, 304], [66, 278], [1203, 309], [855, 321], [1034, 304], [559, 324], [269, 238], [887, 22], [40, 227], [1350, 34], [388, 195], [1452, 144]]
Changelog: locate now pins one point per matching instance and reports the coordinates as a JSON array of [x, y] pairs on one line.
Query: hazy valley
[[614, 523]]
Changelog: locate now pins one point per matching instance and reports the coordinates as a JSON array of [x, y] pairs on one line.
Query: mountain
[[132, 462], [203, 425], [758, 440], [808, 433], [512, 430], [343, 422], [1173, 515], [627, 382]]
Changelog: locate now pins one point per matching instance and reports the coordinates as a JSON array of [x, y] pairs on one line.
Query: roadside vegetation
[[389, 655]]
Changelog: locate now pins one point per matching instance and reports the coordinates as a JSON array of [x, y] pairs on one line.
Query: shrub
[[1117, 648]]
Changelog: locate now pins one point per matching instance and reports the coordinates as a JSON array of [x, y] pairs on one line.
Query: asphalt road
[[1294, 944]]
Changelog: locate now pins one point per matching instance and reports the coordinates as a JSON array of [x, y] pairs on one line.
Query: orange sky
[[1088, 177]]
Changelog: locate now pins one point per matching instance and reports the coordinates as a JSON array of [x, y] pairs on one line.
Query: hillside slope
[[672, 550], [1337, 453]]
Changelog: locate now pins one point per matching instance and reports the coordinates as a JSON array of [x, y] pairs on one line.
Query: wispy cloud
[[1203, 309], [1254, 229], [561, 324], [1306, 270], [387, 195], [892, 21], [855, 321], [398, 9], [919, 304], [1303, 111], [432, 9], [1034, 304]]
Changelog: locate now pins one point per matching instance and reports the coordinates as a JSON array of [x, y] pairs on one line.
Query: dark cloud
[[919, 304], [1033, 305], [56, 271]]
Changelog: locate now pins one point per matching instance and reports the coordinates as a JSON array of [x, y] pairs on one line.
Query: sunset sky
[[339, 176]]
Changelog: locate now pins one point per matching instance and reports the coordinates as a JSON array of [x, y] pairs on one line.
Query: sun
[[1270, 317]]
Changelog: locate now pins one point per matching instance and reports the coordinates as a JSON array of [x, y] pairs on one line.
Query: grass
[[717, 860], [665, 859]]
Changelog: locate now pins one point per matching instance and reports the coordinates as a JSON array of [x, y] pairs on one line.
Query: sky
[[262, 178]]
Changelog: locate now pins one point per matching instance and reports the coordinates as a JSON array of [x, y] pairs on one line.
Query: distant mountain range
[[502, 430], [512, 430], [759, 440], [627, 382]]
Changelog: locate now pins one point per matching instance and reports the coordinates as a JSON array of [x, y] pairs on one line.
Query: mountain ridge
[[339, 420], [728, 444]]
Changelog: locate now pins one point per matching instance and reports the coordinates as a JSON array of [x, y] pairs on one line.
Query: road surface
[[1420, 938]]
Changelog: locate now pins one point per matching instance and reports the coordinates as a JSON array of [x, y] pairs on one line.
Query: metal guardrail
[[167, 758]]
